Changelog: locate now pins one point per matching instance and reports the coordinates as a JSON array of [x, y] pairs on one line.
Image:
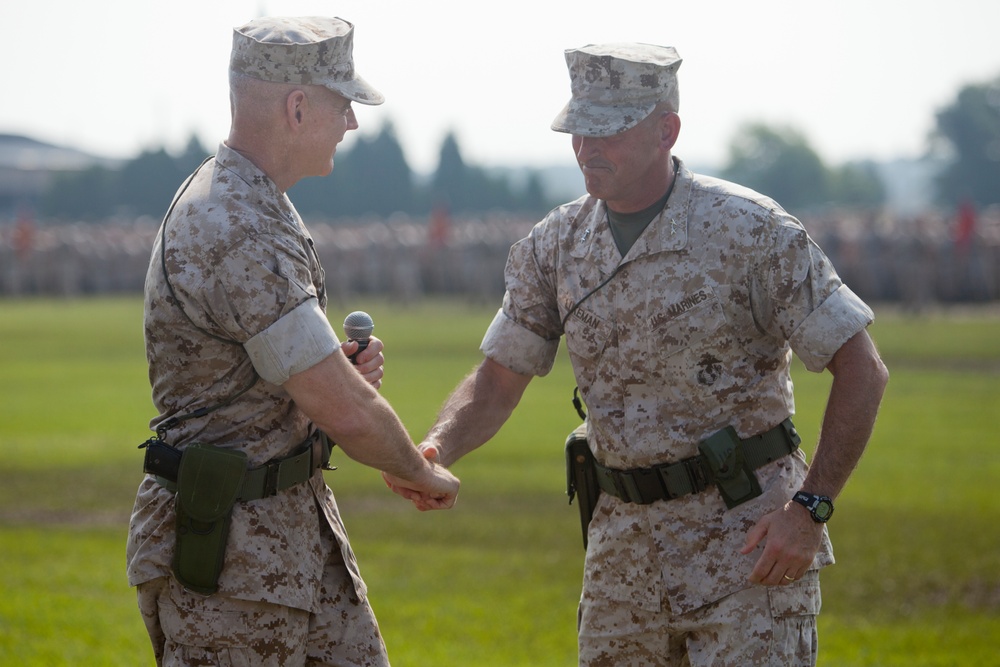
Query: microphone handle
[[362, 344]]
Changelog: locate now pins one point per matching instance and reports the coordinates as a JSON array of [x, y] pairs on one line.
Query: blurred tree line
[[779, 162], [968, 137], [373, 178]]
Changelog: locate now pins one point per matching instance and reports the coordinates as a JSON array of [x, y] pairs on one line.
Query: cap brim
[[357, 90], [587, 119]]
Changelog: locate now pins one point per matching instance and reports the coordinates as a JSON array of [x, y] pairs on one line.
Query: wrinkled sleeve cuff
[[827, 328], [298, 341], [514, 347]]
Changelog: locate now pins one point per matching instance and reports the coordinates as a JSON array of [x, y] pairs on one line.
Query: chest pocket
[[697, 323], [587, 334]]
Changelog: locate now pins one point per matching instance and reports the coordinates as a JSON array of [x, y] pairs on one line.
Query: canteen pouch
[[581, 478], [208, 485], [735, 479]]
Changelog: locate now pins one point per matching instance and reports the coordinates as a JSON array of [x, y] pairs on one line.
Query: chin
[[594, 188]]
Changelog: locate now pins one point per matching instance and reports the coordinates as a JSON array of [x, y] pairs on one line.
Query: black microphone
[[358, 327]]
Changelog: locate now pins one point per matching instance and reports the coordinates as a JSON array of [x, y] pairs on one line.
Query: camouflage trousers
[[760, 625], [187, 629]]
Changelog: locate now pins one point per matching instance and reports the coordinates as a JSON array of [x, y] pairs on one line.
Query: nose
[[352, 120], [584, 147]]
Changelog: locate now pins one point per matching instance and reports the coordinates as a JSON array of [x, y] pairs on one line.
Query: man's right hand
[[435, 489], [425, 500]]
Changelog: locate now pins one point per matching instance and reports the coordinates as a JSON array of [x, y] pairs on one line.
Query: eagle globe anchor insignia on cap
[[614, 86], [311, 50]]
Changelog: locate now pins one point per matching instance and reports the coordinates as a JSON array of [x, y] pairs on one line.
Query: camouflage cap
[[311, 50], [614, 86]]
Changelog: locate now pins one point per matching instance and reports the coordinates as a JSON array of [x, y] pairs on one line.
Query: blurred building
[[27, 167]]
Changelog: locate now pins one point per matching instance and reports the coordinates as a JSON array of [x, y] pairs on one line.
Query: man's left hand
[[369, 361]]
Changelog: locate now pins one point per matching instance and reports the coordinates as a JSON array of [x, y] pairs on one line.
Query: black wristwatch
[[820, 507]]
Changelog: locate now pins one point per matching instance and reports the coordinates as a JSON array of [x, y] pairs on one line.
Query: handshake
[[440, 495], [414, 474]]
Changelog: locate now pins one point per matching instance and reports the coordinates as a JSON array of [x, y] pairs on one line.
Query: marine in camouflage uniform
[[681, 303], [235, 315]]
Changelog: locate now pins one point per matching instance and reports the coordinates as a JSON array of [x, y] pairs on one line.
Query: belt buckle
[[696, 474]]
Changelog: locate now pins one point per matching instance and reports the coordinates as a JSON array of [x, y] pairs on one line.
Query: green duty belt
[[693, 475], [260, 482], [208, 482]]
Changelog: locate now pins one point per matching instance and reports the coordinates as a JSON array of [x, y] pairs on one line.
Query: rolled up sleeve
[[297, 341], [518, 349], [841, 315]]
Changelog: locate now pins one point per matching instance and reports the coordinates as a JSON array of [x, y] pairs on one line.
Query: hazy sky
[[860, 78]]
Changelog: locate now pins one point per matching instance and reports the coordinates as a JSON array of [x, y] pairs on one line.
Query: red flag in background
[[965, 225]]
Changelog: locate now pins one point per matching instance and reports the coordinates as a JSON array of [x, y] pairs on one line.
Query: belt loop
[[271, 479], [627, 487], [791, 434]]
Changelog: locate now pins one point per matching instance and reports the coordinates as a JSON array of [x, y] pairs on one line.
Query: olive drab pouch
[[208, 485], [732, 474]]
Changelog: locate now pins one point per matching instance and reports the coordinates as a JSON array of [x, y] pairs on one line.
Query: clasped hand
[[422, 500]]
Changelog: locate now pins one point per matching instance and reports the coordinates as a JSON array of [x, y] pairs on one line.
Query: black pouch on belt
[[581, 480], [208, 485], [735, 479]]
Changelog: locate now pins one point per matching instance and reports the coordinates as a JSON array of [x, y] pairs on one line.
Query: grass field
[[496, 580]]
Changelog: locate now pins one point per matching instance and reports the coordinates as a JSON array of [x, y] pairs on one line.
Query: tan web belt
[[673, 480]]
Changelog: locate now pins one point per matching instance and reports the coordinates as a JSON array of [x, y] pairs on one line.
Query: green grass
[[496, 580]]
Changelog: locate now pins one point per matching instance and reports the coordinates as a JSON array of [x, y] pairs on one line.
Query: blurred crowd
[[915, 261]]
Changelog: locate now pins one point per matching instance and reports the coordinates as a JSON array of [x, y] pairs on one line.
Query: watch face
[[820, 507], [823, 510]]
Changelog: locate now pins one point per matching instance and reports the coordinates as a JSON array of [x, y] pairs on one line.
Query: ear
[[670, 129], [296, 105]]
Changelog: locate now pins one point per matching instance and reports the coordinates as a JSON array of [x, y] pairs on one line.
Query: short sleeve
[[842, 315], [801, 299], [255, 283]]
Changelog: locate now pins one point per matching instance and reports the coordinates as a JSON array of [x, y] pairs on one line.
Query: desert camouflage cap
[[310, 50], [614, 86]]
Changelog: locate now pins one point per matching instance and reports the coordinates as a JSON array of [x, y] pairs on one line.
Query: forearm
[[355, 416], [475, 411], [376, 438], [855, 395]]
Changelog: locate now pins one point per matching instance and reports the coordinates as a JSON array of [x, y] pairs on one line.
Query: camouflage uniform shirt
[[242, 265], [695, 331]]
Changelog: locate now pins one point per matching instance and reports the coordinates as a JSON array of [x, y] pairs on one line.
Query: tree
[[779, 163], [380, 178], [449, 184], [148, 183], [857, 184], [970, 130], [533, 198], [90, 194], [194, 154], [462, 187], [372, 177]]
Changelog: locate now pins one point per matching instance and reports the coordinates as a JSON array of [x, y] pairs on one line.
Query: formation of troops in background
[[915, 262]]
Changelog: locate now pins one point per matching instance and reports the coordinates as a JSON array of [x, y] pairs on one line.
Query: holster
[[581, 479], [209, 481]]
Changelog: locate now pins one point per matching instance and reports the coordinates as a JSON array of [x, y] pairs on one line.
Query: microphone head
[[358, 325]]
